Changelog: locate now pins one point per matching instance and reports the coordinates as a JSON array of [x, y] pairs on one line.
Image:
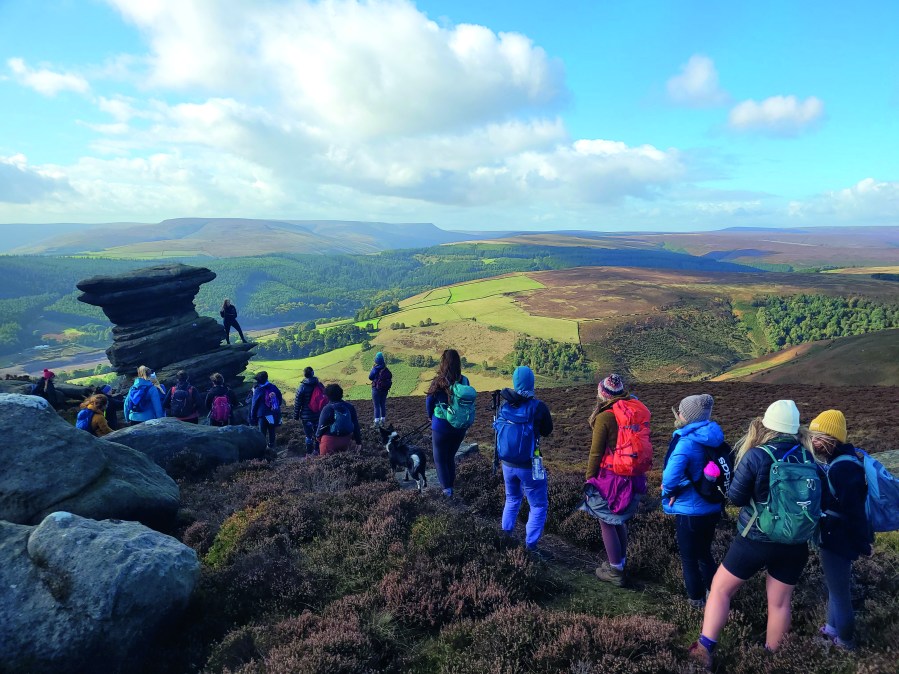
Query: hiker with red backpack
[[521, 421], [338, 424], [182, 401], [695, 479], [620, 455], [220, 401], [381, 380], [266, 402], [846, 532], [450, 406], [778, 487], [308, 404], [144, 399]]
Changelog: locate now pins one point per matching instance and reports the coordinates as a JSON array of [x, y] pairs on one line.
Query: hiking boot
[[700, 655], [540, 553], [609, 574], [697, 603]]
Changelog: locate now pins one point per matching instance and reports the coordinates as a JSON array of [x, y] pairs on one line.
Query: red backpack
[[632, 455], [318, 399]]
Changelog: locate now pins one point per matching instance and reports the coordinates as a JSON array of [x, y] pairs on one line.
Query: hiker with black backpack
[[220, 401], [308, 404], [620, 455], [778, 487], [521, 420], [697, 473], [144, 399], [381, 380], [266, 402], [846, 532], [450, 404], [182, 400], [338, 424]]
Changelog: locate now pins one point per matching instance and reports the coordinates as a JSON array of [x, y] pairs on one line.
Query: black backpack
[[183, 402], [713, 491]]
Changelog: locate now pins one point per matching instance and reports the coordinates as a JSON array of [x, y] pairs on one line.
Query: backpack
[[632, 455], [137, 395], [882, 504], [83, 420], [221, 410], [318, 399], [343, 421], [384, 380], [459, 413], [723, 457], [182, 401], [271, 400], [793, 509], [515, 436]]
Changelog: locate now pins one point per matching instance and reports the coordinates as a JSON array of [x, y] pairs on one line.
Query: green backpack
[[791, 513], [460, 411]]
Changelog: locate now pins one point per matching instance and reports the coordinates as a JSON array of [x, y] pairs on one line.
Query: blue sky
[[499, 115]]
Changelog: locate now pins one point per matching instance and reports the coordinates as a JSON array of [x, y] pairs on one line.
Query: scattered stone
[[77, 595], [890, 460], [465, 449], [50, 465]]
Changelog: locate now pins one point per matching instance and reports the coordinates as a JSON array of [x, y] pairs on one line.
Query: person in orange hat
[[845, 530]]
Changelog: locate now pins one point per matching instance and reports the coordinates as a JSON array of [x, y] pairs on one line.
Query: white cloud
[[697, 84], [869, 202], [22, 184], [777, 115], [45, 81]]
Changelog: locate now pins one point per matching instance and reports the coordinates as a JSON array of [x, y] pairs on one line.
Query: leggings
[[838, 577], [267, 430], [379, 400], [614, 538], [445, 444], [230, 323], [695, 534]]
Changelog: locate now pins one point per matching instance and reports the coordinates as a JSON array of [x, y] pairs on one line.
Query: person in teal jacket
[[151, 398], [696, 517]]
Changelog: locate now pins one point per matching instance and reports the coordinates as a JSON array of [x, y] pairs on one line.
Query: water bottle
[[537, 470]]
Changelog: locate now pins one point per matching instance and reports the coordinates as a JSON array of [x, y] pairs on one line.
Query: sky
[[523, 115]]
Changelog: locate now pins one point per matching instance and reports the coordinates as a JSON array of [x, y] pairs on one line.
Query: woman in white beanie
[[774, 436]]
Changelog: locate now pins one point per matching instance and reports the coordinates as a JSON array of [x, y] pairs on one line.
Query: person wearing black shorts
[[752, 550]]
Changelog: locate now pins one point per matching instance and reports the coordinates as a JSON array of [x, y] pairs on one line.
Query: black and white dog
[[406, 456]]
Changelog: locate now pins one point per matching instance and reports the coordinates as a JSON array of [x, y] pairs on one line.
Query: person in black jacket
[[219, 390], [182, 400], [752, 550], [229, 314], [338, 424], [845, 531], [303, 412]]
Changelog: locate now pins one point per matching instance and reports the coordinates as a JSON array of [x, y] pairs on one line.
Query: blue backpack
[[83, 420], [137, 396], [343, 421], [515, 436], [882, 504]]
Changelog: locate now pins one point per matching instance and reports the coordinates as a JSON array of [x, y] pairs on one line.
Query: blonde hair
[[96, 402], [758, 434], [143, 372], [821, 445]]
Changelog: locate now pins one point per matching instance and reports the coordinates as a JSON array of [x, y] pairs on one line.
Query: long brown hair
[[96, 402], [448, 372], [821, 445]]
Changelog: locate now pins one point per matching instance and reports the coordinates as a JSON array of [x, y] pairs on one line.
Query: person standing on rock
[[220, 401], [92, 416], [338, 424], [610, 495], [229, 316], [381, 380], [183, 400], [144, 399], [308, 404], [445, 436], [265, 407], [45, 388]]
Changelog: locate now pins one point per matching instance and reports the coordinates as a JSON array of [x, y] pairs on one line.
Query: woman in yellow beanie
[[845, 531]]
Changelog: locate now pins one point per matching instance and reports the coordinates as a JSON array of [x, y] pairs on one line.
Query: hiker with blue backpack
[[778, 487], [308, 403], [846, 532], [695, 479], [144, 399], [338, 424], [521, 420], [92, 416], [183, 401], [381, 380], [620, 455], [450, 404], [265, 407]]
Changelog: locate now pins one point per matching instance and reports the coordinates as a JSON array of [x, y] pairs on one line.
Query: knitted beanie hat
[[696, 408], [832, 423], [49, 374], [782, 416], [523, 380], [611, 386], [379, 358]]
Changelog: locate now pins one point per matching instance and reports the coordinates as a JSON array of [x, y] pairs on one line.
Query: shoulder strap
[[841, 457]]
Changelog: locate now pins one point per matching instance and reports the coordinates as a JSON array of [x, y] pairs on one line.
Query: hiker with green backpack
[[846, 531], [451, 407], [778, 486]]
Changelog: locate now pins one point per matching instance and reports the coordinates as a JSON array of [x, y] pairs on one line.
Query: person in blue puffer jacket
[[696, 517]]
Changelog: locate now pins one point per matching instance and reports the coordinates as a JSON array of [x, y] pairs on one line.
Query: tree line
[[298, 342], [551, 358]]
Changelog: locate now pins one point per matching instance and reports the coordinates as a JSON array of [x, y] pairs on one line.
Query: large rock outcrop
[[48, 465], [157, 325], [178, 446], [77, 595]]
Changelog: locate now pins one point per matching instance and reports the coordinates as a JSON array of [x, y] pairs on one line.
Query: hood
[[706, 433], [142, 382], [514, 398], [379, 359], [523, 380], [310, 380]]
